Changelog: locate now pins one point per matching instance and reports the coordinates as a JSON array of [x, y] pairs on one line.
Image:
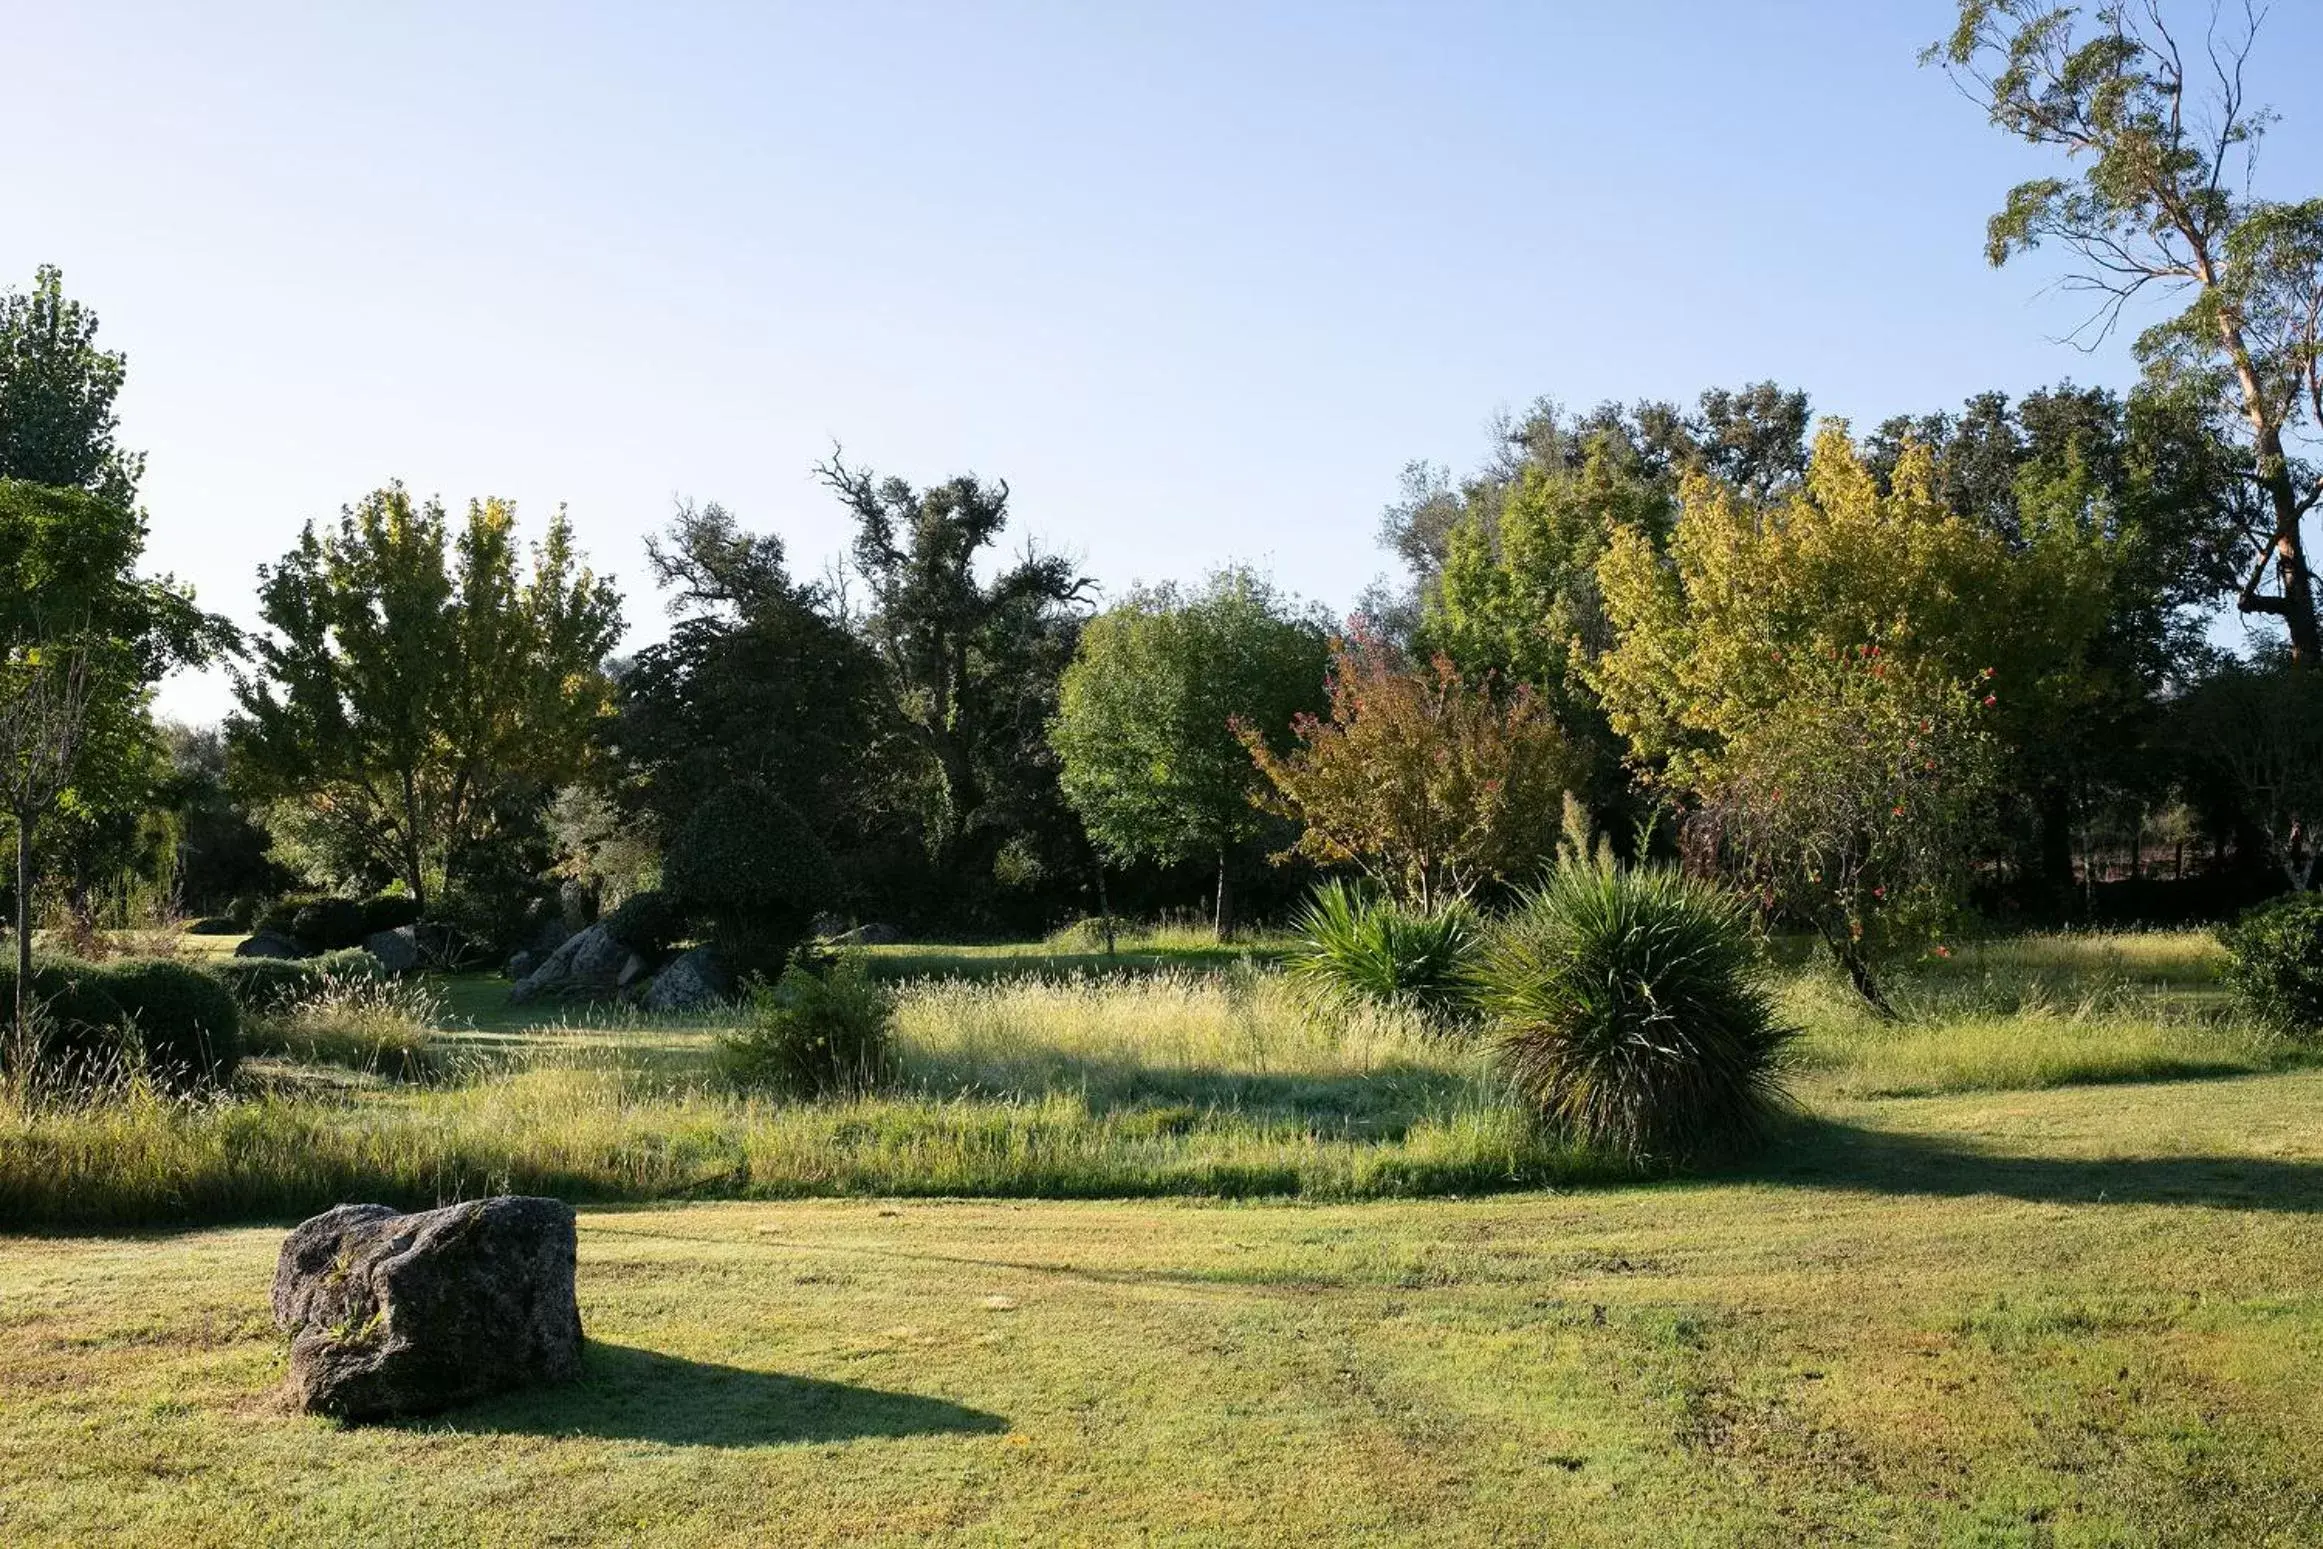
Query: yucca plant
[[1358, 948], [1625, 1007]]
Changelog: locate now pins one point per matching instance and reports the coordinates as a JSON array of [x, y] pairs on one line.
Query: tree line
[[1870, 677]]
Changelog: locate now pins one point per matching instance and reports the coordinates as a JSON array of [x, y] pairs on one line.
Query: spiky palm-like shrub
[[1358, 948], [1625, 1008]]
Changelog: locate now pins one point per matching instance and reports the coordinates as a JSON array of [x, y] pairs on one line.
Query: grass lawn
[[2086, 1315]]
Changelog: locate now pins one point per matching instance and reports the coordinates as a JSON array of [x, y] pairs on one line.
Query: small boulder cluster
[[625, 956]]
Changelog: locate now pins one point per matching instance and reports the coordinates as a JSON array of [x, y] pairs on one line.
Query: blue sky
[[1196, 279]]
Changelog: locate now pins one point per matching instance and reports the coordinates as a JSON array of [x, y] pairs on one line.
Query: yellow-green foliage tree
[[416, 688], [1833, 680]]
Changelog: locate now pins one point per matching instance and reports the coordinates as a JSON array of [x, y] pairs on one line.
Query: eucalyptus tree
[[2158, 121]]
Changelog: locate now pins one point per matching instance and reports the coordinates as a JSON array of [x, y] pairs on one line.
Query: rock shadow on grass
[[628, 1394]]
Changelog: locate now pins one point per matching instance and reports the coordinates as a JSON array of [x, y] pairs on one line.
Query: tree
[[1430, 783], [2150, 479], [2167, 150], [44, 705], [82, 635], [1145, 732], [969, 668], [760, 681], [56, 396], [417, 694], [2259, 727], [1726, 640], [1852, 803]]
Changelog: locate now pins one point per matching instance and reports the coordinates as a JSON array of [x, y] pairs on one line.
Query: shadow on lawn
[[629, 1394], [1826, 1154]]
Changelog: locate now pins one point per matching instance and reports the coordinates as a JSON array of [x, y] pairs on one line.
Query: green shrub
[[2274, 963], [1626, 1010], [280, 916], [329, 924], [187, 1028], [215, 925], [491, 914], [80, 1026], [388, 911], [746, 863], [264, 984], [649, 923], [244, 912], [1357, 948], [1086, 934], [812, 1034]]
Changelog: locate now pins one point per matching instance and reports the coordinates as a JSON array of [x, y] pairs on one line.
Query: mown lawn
[[2089, 1315]]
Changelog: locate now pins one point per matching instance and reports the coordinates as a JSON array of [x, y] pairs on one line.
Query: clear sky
[[1197, 280]]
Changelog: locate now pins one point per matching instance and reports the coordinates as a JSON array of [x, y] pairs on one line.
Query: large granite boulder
[[587, 967], [397, 950], [272, 943], [576, 905], [393, 1314], [689, 981]]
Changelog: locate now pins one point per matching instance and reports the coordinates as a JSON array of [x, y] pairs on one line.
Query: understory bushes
[[262, 984], [99, 1022], [812, 1034], [2275, 963]]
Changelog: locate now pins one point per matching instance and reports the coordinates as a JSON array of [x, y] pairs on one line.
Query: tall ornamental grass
[[1626, 1010], [1356, 948]]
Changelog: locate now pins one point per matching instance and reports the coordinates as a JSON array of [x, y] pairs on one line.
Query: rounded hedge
[[649, 923], [176, 1024], [1627, 1010], [185, 1025], [81, 1022], [264, 984], [2274, 963], [747, 863], [330, 924], [388, 911]]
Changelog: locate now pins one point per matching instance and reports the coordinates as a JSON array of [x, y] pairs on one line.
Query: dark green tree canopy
[[759, 681], [969, 667], [57, 424], [1147, 719]]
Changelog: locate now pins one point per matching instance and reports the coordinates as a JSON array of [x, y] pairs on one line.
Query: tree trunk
[[1224, 916], [1105, 909], [23, 926], [1849, 954], [2056, 853], [2289, 553]]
